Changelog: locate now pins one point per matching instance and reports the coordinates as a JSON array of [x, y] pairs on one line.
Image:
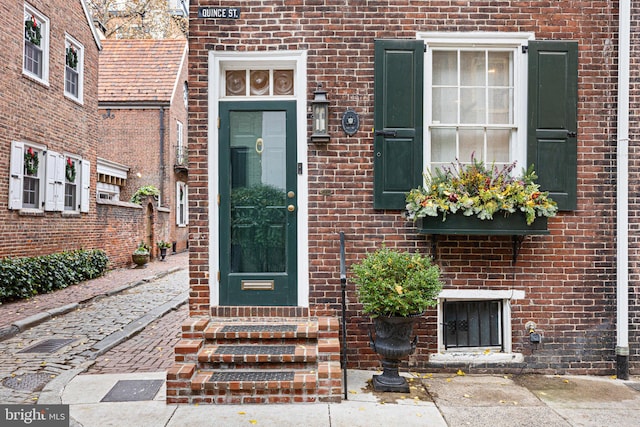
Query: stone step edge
[[199, 324]]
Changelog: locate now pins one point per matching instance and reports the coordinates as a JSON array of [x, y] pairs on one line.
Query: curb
[[33, 320]]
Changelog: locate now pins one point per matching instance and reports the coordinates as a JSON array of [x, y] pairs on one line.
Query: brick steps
[[265, 360]]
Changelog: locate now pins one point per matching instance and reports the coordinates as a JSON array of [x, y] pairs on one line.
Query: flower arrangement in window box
[[32, 32], [31, 162], [479, 191], [72, 57], [70, 170]]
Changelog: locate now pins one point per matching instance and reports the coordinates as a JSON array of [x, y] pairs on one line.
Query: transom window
[[259, 82], [476, 92], [36, 44]]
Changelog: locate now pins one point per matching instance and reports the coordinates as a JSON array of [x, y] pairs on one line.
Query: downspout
[[622, 202], [162, 168]]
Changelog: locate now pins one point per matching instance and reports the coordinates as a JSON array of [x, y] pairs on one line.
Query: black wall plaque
[[350, 122]]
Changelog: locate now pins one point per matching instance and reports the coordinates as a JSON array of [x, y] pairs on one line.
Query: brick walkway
[[149, 351], [114, 279]]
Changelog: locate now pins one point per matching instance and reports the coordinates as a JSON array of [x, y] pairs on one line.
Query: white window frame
[[71, 42], [480, 354], [515, 42], [182, 204], [43, 21], [180, 154], [77, 182]]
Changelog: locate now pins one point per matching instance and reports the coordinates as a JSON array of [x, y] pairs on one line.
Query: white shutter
[[85, 184], [178, 185], [54, 182], [15, 175]]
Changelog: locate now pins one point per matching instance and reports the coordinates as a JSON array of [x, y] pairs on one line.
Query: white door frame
[[218, 61]]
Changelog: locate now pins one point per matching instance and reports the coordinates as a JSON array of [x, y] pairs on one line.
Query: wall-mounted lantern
[[320, 114]]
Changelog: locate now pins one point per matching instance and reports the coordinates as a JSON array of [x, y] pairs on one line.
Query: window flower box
[[514, 224]]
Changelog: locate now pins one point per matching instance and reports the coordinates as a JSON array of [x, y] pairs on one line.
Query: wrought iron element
[[393, 342]]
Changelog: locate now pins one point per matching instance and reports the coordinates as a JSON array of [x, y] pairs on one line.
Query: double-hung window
[[26, 179], [500, 97], [36, 45], [182, 205], [181, 153], [476, 93], [73, 69]]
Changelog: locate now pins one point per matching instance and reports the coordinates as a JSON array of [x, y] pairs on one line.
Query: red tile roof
[[139, 70]]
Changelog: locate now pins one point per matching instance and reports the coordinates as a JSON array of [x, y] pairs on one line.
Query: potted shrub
[[163, 246], [141, 255], [474, 195], [395, 288]]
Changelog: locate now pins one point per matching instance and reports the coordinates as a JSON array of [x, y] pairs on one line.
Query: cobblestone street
[[93, 330]]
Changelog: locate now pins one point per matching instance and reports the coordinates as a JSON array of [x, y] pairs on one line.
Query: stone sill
[[473, 358]]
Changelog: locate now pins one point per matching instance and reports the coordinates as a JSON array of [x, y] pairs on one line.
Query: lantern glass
[[320, 112]]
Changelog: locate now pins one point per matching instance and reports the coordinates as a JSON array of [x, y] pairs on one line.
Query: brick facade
[[39, 113], [139, 131], [568, 277]]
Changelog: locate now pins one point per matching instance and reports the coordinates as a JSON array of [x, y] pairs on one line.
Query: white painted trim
[[497, 40], [480, 295], [298, 61]]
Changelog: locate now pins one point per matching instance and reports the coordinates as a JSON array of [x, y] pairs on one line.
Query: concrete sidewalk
[[435, 400]]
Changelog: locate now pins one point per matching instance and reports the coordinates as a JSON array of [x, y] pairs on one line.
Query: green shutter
[[397, 147], [552, 118]]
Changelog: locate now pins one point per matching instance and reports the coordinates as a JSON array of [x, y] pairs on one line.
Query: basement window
[[469, 324]]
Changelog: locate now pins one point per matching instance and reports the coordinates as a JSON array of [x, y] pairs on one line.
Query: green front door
[[258, 203]]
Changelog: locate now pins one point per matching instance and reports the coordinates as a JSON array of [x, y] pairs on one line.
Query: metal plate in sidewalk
[[259, 328], [252, 376], [133, 391], [256, 349], [28, 382], [48, 346]]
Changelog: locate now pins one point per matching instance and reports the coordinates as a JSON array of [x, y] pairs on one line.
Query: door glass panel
[[258, 195]]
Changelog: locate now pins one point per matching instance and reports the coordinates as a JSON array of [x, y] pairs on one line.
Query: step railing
[[343, 285]]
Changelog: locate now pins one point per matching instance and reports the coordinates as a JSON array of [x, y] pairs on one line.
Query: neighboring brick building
[[49, 80], [532, 81], [143, 125]]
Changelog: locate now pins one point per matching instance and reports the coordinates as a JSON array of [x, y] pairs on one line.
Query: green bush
[[147, 190], [25, 277]]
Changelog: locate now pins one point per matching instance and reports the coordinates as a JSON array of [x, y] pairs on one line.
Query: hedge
[[25, 277]]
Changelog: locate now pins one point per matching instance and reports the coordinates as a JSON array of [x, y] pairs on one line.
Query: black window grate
[[472, 324]]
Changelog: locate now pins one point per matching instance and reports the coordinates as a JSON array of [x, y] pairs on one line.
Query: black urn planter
[[393, 343], [163, 253]]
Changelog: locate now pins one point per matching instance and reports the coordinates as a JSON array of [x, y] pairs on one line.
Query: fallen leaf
[[543, 393], [503, 401], [515, 403], [448, 380], [565, 381], [241, 412], [467, 395], [487, 351], [253, 421], [613, 377], [460, 373], [353, 392], [418, 414]]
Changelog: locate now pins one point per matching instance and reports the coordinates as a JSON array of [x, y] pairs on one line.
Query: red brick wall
[[124, 225], [568, 277], [32, 111]]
